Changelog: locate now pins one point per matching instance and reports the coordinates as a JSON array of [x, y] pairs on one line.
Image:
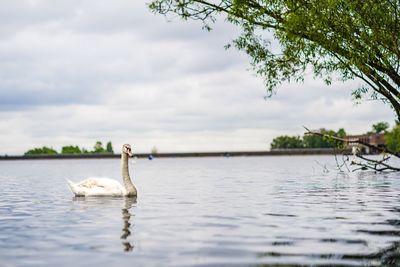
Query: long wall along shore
[[278, 152]]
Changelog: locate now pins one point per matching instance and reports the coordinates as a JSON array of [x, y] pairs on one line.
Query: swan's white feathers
[[106, 186], [97, 187]]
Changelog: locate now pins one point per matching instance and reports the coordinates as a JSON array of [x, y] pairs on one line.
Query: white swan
[[106, 186]]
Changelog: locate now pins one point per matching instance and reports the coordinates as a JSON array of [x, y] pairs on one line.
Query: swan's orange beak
[[130, 153]]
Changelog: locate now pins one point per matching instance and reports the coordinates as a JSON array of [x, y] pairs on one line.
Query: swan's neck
[[129, 186]]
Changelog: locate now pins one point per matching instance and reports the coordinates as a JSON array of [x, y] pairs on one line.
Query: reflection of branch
[[324, 168], [339, 166]]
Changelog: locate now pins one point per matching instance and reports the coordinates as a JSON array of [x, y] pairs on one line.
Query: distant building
[[374, 139]]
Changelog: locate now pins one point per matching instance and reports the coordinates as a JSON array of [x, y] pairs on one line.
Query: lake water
[[244, 211]]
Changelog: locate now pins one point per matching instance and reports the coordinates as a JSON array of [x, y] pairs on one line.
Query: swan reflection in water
[[129, 202], [126, 216]]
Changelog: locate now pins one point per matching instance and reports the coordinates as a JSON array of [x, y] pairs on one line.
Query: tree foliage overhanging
[[353, 39]]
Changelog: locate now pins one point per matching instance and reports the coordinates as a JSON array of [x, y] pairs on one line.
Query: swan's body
[[97, 187], [106, 186]]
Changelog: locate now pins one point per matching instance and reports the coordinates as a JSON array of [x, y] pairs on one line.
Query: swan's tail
[[71, 186]]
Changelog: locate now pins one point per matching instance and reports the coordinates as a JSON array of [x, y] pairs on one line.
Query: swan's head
[[127, 150]]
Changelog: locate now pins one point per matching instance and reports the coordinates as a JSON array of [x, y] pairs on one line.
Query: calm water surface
[[254, 211]]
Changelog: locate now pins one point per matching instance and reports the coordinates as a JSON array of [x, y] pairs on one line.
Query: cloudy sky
[[78, 71]]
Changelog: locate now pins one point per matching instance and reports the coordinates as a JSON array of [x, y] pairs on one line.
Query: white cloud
[[74, 72]]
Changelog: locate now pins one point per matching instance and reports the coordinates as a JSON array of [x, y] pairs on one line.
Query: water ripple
[[200, 212]]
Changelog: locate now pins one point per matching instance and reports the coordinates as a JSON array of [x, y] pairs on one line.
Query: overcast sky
[[74, 72]]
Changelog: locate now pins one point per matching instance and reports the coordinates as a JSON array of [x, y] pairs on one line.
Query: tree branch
[[376, 165], [357, 141]]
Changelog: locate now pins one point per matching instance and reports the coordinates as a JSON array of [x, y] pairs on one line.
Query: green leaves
[[287, 142], [313, 141], [40, 151], [98, 148], [380, 127], [392, 139], [310, 141], [70, 150]]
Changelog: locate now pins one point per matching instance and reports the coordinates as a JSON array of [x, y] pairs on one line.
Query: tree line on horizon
[[307, 141], [391, 137], [71, 149]]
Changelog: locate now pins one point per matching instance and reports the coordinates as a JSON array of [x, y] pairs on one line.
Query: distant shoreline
[[280, 152]]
